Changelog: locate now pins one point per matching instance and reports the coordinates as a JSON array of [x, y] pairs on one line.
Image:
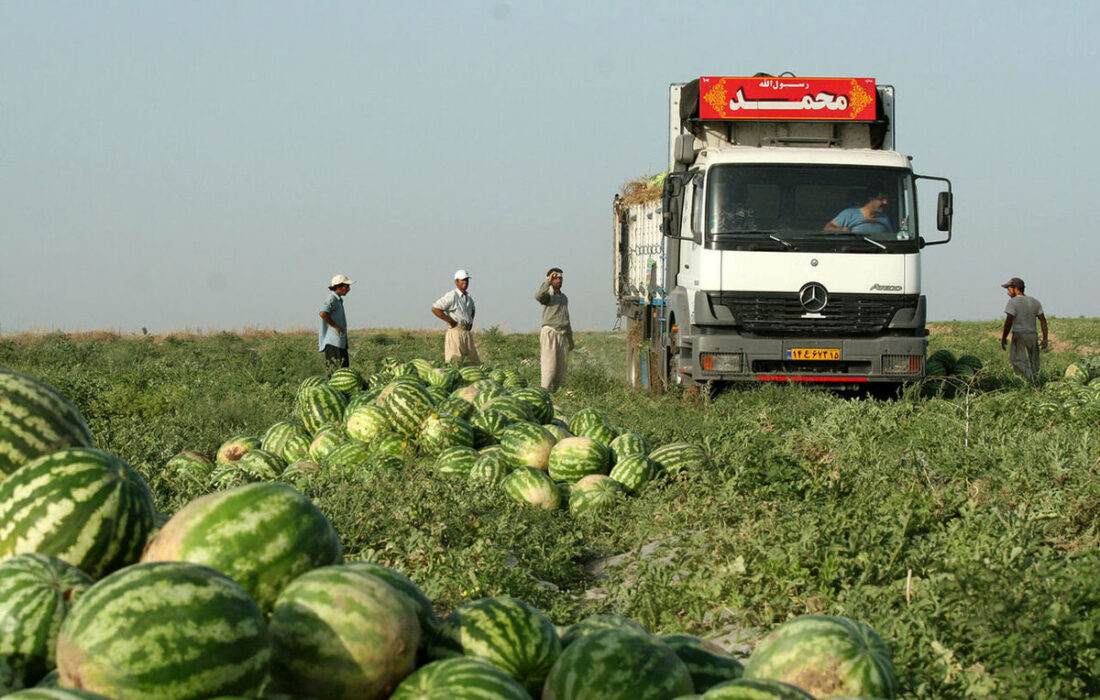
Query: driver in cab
[[869, 218]]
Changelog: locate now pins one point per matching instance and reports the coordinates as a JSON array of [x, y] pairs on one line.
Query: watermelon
[[634, 472], [280, 433], [707, 662], [488, 427], [532, 485], [489, 468], [348, 456], [602, 433], [300, 472], [539, 401], [460, 408], [395, 445], [527, 444], [560, 432], [296, 448], [941, 363], [455, 461], [190, 467], [505, 632], [825, 655], [438, 394], [617, 664], [234, 448], [576, 457], [407, 405], [513, 380], [446, 378], [755, 689], [227, 476], [595, 623], [482, 392], [338, 632], [515, 409], [386, 461], [472, 373], [442, 431], [35, 420], [52, 693], [81, 505], [327, 439], [628, 444], [367, 422], [263, 535], [36, 592], [967, 365], [1078, 372], [459, 678], [425, 611], [164, 630], [423, 368], [404, 370], [261, 465], [594, 494], [319, 406], [677, 457], [586, 418], [315, 380], [347, 380]]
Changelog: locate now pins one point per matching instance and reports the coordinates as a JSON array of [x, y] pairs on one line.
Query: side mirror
[[944, 210], [672, 198]]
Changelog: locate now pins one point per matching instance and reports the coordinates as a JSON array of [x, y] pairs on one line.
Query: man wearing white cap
[[456, 309], [333, 337]]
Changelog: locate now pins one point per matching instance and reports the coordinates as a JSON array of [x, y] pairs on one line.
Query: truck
[[783, 242]]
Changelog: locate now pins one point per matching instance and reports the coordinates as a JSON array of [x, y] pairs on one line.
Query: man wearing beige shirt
[[456, 309], [556, 335]]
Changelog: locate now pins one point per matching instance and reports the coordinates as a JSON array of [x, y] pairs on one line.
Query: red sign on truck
[[787, 99]]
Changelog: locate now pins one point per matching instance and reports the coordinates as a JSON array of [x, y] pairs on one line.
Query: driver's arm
[[831, 226]]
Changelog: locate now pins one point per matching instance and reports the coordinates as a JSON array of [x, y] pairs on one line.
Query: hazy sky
[[210, 165]]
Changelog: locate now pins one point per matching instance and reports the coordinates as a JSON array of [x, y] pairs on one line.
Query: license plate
[[813, 353]]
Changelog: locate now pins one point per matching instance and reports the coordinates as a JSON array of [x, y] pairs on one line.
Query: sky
[[203, 166]]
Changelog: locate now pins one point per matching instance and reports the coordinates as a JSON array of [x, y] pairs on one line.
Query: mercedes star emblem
[[813, 297]]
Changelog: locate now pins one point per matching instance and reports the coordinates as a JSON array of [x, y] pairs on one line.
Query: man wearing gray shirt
[[456, 309], [1021, 311], [556, 335]]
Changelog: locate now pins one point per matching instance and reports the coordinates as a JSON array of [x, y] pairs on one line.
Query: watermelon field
[[953, 529]]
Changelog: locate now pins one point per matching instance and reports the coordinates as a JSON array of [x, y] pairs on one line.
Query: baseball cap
[[1014, 282], [341, 279], [461, 275]]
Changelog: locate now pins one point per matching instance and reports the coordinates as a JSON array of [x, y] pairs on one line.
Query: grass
[[963, 530]]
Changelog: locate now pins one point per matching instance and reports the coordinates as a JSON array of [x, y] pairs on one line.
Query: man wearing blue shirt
[[869, 218], [333, 337]]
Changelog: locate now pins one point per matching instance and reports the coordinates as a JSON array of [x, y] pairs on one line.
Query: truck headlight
[[722, 362], [902, 364]]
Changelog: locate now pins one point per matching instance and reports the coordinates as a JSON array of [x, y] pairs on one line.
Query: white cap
[[461, 275], [341, 279]]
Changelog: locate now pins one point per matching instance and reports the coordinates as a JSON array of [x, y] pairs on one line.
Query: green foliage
[[960, 524]]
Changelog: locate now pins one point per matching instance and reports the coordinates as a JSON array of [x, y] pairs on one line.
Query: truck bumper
[[731, 357]]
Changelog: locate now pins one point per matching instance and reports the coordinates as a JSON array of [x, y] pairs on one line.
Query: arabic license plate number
[[813, 353]]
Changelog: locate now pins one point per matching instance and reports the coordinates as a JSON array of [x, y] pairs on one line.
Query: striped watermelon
[[442, 431], [280, 433], [594, 494], [348, 456], [438, 394], [35, 420], [227, 476], [407, 405], [365, 423], [423, 368], [386, 461], [576, 457], [36, 592], [190, 467], [455, 406], [261, 465], [634, 472], [394, 445], [488, 426], [392, 385], [52, 693], [296, 448], [126, 637], [707, 662], [756, 689], [405, 370], [533, 486], [505, 632], [367, 397], [263, 535], [539, 401], [300, 472], [327, 439], [560, 432], [319, 406], [315, 380], [81, 505], [483, 392], [602, 433], [623, 664], [338, 632], [446, 378], [527, 444], [586, 418], [489, 468], [515, 409], [825, 655], [473, 373], [234, 448], [425, 611], [627, 444], [455, 461], [459, 678], [677, 457], [346, 380], [595, 623]]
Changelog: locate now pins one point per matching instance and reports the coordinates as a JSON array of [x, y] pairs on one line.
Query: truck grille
[[845, 314]]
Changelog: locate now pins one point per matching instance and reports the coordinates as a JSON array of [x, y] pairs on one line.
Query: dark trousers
[[334, 358]]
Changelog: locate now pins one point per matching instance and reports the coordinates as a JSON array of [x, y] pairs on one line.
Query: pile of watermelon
[[472, 423], [1077, 393], [244, 592]]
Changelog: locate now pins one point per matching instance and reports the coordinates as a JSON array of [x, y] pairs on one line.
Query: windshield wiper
[[873, 242], [777, 239]]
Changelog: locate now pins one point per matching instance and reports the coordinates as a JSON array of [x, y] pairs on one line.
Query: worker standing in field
[[456, 309], [333, 337], [556, 335], [1020, 315]]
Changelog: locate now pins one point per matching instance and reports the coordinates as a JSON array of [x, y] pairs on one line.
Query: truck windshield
[[811, 206]]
